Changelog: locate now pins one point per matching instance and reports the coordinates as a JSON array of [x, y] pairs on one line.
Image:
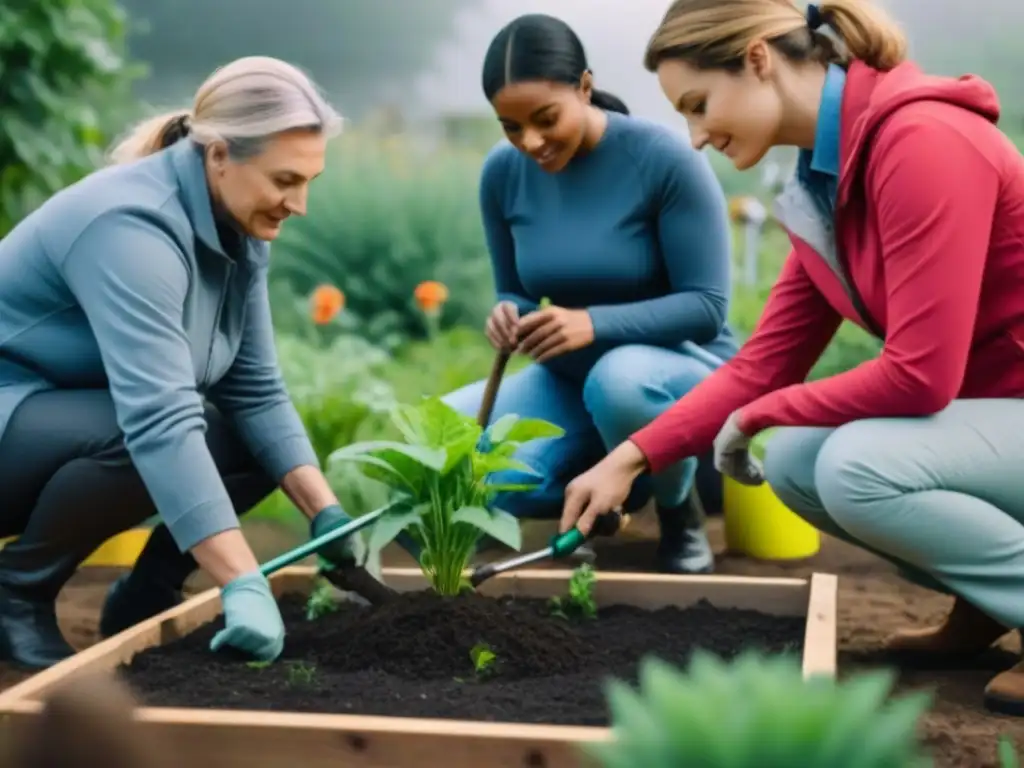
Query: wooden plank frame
[[201, 737]]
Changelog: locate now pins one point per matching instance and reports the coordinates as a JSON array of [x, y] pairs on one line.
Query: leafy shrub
[[383, 218], [758, 711], [335, 388], [63, 82]]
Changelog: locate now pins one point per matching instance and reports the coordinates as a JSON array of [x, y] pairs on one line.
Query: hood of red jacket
[[871, 96]]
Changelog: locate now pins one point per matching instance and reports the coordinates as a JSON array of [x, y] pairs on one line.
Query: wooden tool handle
[[483, 418]]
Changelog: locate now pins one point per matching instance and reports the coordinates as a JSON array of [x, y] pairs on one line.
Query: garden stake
[[562, 545], [483, 417]]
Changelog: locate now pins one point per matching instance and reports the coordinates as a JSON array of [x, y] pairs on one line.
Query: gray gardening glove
[[732, 454]]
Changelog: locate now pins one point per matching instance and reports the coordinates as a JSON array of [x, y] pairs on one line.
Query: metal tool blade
[[485, 572]]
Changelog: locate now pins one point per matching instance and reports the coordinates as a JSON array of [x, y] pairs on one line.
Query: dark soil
[[873, 601], [412, 659]]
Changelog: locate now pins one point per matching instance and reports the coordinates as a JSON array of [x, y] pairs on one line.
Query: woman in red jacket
[[906, 216]]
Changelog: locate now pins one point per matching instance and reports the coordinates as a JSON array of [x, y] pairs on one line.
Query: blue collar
[[818, 168], [825, 155], [187, 160], [195, 194]]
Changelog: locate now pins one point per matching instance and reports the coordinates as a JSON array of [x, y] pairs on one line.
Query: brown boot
[[965, 632], [1005, 692]]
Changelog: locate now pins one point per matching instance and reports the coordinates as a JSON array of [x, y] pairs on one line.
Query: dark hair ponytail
[[540, 47], [608, 102]]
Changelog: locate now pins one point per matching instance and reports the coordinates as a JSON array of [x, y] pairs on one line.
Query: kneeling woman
[[906, 216], [624, 228], [137, 365]]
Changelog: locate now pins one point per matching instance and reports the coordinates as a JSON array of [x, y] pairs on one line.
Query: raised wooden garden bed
[[246, 715]]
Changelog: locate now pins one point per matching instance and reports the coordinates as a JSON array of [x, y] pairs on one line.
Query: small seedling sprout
[[580, 600], [300, 673], [321, 601], [483, 659]]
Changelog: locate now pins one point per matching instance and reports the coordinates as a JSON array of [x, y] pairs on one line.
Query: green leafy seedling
[[545, 302], [580, 600], [757, 710], [321, 601], [258, 664], [483, 659], [1007, 753], [300, 673], [443, 476]]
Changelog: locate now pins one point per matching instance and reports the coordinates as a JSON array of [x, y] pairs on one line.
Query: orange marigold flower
[[431, 295], [325, 303]]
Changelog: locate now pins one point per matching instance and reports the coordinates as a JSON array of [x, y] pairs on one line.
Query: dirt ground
[[872, 603]]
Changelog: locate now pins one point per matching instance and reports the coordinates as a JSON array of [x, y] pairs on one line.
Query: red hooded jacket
[[929, 224]]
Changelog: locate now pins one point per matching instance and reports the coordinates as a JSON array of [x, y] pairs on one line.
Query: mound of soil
[[412, 658], [423, 636]]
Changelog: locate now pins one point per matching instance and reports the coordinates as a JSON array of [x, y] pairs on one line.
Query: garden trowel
[[351, 577], [562, 545]]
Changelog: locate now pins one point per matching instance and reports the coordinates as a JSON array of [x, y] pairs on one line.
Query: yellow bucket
[[759, 525], [121, 551]]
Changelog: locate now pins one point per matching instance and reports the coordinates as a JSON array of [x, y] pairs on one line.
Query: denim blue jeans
[[625, 390]]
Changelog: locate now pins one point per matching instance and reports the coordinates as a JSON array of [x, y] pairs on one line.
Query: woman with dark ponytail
[[622, 227]]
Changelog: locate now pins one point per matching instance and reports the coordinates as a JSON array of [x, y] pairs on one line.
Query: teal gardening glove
[[351, 550], [253, 621]]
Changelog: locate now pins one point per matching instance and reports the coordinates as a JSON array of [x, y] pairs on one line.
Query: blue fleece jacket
[[635, 231], [121, 281]]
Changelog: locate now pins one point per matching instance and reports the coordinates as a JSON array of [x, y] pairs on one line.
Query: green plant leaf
[[388, 462], [519, 431], [409, 420], [498, 431], [390, 524], [487, 463], [630, 717], [1007, 753], [497, 524], [862, 697], [431, 458], [510, 487], [435, 424], [896, 733]]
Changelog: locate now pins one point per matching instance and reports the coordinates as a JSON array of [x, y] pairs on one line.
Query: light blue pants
[[940, 497], [626, 389]]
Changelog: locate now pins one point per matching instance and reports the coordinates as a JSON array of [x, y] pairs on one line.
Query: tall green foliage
[[63, 80]]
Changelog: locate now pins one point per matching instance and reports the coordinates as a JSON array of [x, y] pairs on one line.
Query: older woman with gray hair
[[138, 374]]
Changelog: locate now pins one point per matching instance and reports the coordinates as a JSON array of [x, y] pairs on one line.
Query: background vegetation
[[393, 209]]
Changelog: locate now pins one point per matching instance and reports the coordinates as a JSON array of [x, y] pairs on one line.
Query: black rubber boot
[[684, 547], [129, 603], [29, 635], [153, 586]]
